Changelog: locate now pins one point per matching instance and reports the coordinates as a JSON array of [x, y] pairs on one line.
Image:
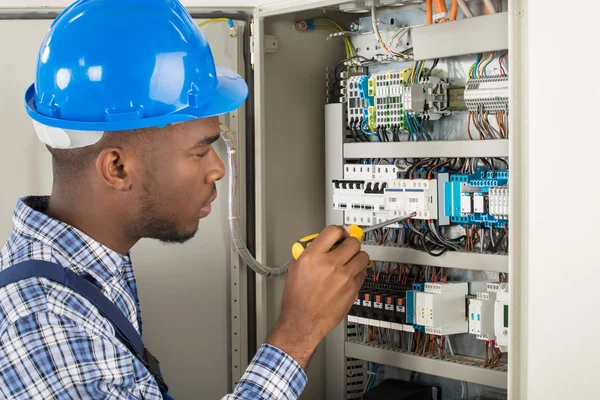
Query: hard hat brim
[[231, 92]]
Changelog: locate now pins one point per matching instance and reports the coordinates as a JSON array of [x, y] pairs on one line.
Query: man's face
[[177, 185]]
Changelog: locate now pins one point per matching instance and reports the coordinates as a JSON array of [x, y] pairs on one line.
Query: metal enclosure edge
[[335, 371], [518, 203], [260, 162]]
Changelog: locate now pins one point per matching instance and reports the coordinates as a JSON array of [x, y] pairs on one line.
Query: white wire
[[490, 6], [465, 8]]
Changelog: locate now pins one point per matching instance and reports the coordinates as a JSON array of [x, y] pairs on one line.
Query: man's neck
[[95, 220]]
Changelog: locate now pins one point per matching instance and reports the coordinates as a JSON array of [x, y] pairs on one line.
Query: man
[[127, 97]]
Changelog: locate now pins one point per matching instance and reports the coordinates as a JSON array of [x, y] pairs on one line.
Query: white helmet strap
[[59, 138]]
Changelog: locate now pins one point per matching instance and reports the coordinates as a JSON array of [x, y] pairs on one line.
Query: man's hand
[[320, 289]]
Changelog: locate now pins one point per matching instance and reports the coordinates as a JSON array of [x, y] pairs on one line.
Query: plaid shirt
[[55, 345]]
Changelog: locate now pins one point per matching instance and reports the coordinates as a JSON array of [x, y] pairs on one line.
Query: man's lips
[[208, 207]]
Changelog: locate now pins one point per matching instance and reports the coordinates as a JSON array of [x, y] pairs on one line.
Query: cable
[[429, 9], [440, 8], [210, 21], [349, 49], [465, 8], [454, 11], [233, 218], [378, 34], [490, 6], [435, 63], [501, 61]]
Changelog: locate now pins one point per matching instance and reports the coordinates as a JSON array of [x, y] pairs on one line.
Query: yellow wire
[[210, 21], [339, 29], [471, 71], [486, 63], [330, 20], [413, 72], [349, 49]]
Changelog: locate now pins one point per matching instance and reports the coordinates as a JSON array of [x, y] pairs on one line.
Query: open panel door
[[300, 148]]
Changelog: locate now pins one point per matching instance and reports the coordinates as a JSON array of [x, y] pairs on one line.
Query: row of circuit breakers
[[371, 194], [386, 100], [437, 308]]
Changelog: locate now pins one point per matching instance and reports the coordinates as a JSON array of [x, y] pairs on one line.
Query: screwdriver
[[355, 232]]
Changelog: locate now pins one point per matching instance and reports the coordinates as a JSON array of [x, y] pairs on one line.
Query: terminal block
[[428, 99], [355, 103], [477, 198], [387, 89], [498, 200], [491, 93]]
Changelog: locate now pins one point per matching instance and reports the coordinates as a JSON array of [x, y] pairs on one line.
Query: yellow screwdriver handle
[[301, 245]]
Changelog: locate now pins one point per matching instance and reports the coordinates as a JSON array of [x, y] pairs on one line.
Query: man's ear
[[112, 164]]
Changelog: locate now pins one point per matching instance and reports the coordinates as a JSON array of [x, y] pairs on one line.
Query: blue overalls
[[125, 331]]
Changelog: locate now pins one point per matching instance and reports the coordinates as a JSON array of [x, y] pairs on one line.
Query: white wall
[[564, 266]]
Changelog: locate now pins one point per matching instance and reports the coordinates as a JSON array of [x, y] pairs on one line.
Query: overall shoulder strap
[[126, 333]]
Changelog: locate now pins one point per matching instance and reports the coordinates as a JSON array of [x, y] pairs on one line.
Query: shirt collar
[[83, 252]]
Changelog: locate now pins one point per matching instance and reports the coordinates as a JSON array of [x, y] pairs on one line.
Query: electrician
[[127, 99]]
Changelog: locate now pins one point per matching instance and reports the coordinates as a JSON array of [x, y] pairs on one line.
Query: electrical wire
[[490, 6], [236, 233], [378, 35], [501, 62], [429, 11], [210, 21], [435, 63], [465, 8], [454, 11]]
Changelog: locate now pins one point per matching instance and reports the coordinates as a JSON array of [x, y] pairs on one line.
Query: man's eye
[[203, 153]]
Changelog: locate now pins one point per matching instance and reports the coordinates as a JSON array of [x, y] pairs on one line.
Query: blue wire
[[416, 126], [410, 127], [417, 121], [362, 128]]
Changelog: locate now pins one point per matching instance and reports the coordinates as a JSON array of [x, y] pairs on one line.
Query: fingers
[[346, 250], [327, 239], [358, 264]]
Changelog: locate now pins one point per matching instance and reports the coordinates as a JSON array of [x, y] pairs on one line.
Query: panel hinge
[[271, 44], [252, 43]]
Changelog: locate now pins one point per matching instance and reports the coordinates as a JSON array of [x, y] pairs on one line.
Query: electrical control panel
[[425, 135]]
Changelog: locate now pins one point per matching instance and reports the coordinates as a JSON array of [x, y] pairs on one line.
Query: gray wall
[[183, 288]]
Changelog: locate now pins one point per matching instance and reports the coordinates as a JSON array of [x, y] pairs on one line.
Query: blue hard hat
[[108, 65]]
